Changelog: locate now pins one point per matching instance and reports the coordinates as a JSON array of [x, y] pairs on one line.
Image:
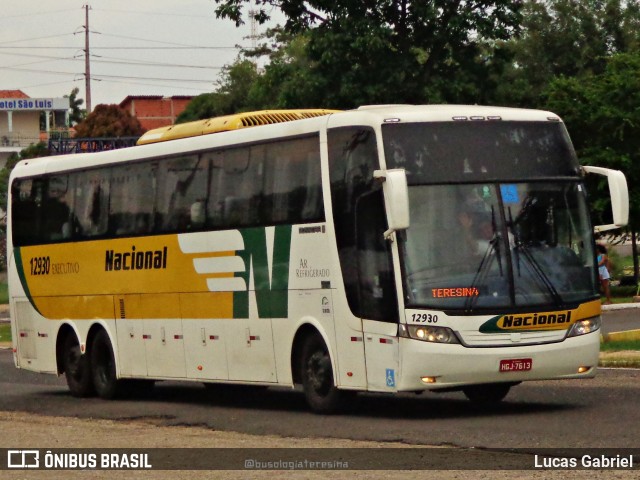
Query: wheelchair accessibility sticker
[[391, 378]]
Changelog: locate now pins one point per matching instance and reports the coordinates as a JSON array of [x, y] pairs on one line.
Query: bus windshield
[[489, 244]]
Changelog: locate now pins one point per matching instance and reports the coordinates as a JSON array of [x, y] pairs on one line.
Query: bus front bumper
[[431, 366]]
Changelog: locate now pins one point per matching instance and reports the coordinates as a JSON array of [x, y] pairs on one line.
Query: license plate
[[516, 365]]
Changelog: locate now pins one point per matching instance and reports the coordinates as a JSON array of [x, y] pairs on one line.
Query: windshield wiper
[[483, 268], [520, 246]]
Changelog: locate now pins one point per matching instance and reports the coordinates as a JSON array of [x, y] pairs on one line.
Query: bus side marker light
[[349, 374], [584, 369], [428, 379], [200, 367]]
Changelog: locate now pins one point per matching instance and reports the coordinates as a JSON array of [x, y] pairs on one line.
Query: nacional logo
[[135, 260], [529, 322]]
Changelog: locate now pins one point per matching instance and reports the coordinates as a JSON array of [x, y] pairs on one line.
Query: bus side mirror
[[619, 196], [396, 198]]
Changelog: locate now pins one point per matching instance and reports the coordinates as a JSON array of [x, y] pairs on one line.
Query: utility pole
[[87, 64]]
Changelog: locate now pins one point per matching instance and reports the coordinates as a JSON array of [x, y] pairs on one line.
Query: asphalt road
[[598, 413], [621, 320]]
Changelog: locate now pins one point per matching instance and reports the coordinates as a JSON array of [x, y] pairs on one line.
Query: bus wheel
[[77, 368], [486, 395], [103, 362], [317, 377]]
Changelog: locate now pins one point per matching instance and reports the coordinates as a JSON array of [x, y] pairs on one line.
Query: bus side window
[[214, 203], [359, 219], [242, 186], [26, 198], [132, 198], [293, 190], [56, 210], [181, 182], [91, 203], [375, 265], [312, 207]]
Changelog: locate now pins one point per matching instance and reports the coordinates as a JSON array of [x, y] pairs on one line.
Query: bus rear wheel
[[317, 377], [77, 368], [486, 395], [103, 365]]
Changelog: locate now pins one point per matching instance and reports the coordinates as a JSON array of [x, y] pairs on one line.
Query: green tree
[[109, 121], [380, 51], [287, 80], [231, 95], [565, 38], [206, 105], [602, 113], [75, 105]]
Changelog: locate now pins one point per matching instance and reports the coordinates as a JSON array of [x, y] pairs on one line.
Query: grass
[[5, 332], [620, 299], [5, 328], [623, 294], [620, 345]]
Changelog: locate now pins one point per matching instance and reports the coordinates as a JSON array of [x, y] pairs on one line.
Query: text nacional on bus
[[136, 260]]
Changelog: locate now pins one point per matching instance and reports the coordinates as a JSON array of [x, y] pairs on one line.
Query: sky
[[141, 47]]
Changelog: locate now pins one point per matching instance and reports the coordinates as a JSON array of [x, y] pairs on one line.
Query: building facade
[[155, 111], [20, 120]]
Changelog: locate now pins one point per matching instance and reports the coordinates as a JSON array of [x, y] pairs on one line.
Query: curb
[[626, 335], [620, 306]]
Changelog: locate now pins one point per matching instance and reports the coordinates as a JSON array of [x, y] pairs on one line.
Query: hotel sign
[[27, 104]]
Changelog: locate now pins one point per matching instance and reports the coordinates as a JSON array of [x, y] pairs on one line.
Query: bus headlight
[[584, 326], [428, 333]]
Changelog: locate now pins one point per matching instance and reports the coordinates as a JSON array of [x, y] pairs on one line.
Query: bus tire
[[77, 368], [103, 362], [317, 377], [488, 394]]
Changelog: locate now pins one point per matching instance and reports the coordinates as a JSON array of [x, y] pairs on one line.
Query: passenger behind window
[[234, 211], [143, 224], [198, 215], [56, 211]]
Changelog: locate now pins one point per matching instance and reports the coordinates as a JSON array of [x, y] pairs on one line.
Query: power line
[[202, 47], [103, 59], [33, 38], [154, 64], [38, 53], [33, 55], [147, 14], [181, 87], [53, 72], [45, 84], [33, 14], [187, 80], [49, 72], [126, 37]]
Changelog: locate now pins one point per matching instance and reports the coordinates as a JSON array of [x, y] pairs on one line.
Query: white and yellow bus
[[384, 249]]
